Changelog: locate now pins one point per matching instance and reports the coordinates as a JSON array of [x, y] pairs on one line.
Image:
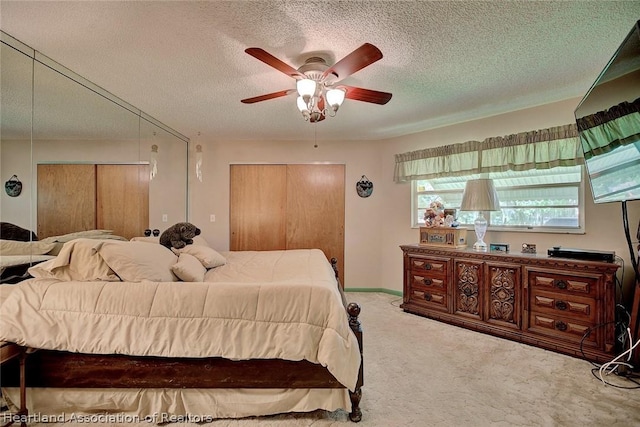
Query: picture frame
[[498, 247], [528, 248]]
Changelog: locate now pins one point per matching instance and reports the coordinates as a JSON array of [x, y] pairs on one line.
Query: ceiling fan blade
[[274, 62], [363, 56], [366, 95], [267, 96]]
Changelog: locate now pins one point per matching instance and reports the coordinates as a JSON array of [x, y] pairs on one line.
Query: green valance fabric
[[539, 149], [607, 130]]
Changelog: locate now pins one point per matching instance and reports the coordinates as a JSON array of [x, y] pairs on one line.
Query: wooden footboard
[[48, 368]]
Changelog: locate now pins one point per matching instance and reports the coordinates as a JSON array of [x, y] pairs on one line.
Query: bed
[[191, 335]]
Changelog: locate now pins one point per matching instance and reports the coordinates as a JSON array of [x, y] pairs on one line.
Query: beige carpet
[[419, 372]]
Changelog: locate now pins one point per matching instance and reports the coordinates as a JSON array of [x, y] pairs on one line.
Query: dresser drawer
[[435, 267], [579, 308], [565, 329], [563, 283], [428, 297], [425, 280]]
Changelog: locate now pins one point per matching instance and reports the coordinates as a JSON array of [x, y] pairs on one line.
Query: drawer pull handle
[[427, 296], [427, 281], [561, 284], [427, 266], [561, 326], [561, 305]]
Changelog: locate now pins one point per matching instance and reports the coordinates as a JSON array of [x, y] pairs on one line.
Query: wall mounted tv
[[608, 120]]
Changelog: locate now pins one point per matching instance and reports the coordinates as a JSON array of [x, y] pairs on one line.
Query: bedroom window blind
[[538, 176]]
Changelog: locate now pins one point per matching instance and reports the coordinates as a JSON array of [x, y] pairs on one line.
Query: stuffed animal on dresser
[[179, 235]]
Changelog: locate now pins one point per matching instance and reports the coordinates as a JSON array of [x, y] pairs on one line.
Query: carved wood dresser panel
[[563, 305]]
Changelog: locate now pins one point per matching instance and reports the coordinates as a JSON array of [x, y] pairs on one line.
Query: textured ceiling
[[444, 62]]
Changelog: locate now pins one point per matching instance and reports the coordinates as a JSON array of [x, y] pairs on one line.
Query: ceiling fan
[[319, 93]]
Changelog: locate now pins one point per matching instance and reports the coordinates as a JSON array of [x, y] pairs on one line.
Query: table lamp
[[480, 195]]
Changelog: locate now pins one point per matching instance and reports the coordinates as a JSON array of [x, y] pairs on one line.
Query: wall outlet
[[212, 218], [165, 217]]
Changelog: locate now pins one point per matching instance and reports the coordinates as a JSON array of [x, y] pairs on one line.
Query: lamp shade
[[335, 97], [480, 195], [306, 87]]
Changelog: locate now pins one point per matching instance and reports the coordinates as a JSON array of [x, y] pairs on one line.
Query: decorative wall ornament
[[199, 162], [13, 186], [153, 161], [364, 187]]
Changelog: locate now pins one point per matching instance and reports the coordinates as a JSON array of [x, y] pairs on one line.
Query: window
[[534, 200]]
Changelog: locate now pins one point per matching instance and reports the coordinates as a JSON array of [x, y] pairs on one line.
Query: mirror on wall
[[53, 119], [608, 120]]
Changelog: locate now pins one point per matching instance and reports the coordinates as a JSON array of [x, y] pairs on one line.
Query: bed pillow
[[138, 261], [189, 268], [78, 235], [200, 241], [148, 239], [78, 260], [208, 257], [14, 247]]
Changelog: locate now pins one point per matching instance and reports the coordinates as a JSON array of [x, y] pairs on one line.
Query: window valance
[[539, 149], [607, 130]]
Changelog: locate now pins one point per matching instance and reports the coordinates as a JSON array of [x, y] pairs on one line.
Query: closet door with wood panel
[[66, 199], [122, 199], [80, 197], [258, 201], [275, 207]]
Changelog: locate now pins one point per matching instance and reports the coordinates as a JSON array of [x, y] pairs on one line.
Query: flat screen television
[[608, 120]]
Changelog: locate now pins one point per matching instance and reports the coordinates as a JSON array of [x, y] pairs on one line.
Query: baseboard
[[383, 290]]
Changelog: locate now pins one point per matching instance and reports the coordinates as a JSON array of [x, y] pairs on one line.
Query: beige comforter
[[278, 304]]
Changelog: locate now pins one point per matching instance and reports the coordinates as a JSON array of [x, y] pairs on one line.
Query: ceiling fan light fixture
[[335, 98], [315, 80], [306, 88], [303, 107]]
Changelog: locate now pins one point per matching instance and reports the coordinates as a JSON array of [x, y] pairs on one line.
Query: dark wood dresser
[[563, 305]]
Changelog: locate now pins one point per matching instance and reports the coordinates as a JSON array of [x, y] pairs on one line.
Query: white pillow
[[138, 261], [189, 268], [14, 247], [199, 240], [209, 257]]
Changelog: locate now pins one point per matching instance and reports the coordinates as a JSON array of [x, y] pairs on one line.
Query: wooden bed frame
[[48, 368]]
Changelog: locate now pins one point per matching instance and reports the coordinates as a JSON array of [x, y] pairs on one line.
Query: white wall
[[362, 215], [375, 227]]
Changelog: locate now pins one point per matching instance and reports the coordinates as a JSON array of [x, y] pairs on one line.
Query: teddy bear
[[179, 235]]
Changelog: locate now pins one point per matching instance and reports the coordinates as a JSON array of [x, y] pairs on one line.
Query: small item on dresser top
[[147, 232], [528, 248], [156, 232], [499, 247]]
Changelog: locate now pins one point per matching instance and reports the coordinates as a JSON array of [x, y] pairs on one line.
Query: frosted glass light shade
[[302, 106], [335, 97], [306, 87]]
